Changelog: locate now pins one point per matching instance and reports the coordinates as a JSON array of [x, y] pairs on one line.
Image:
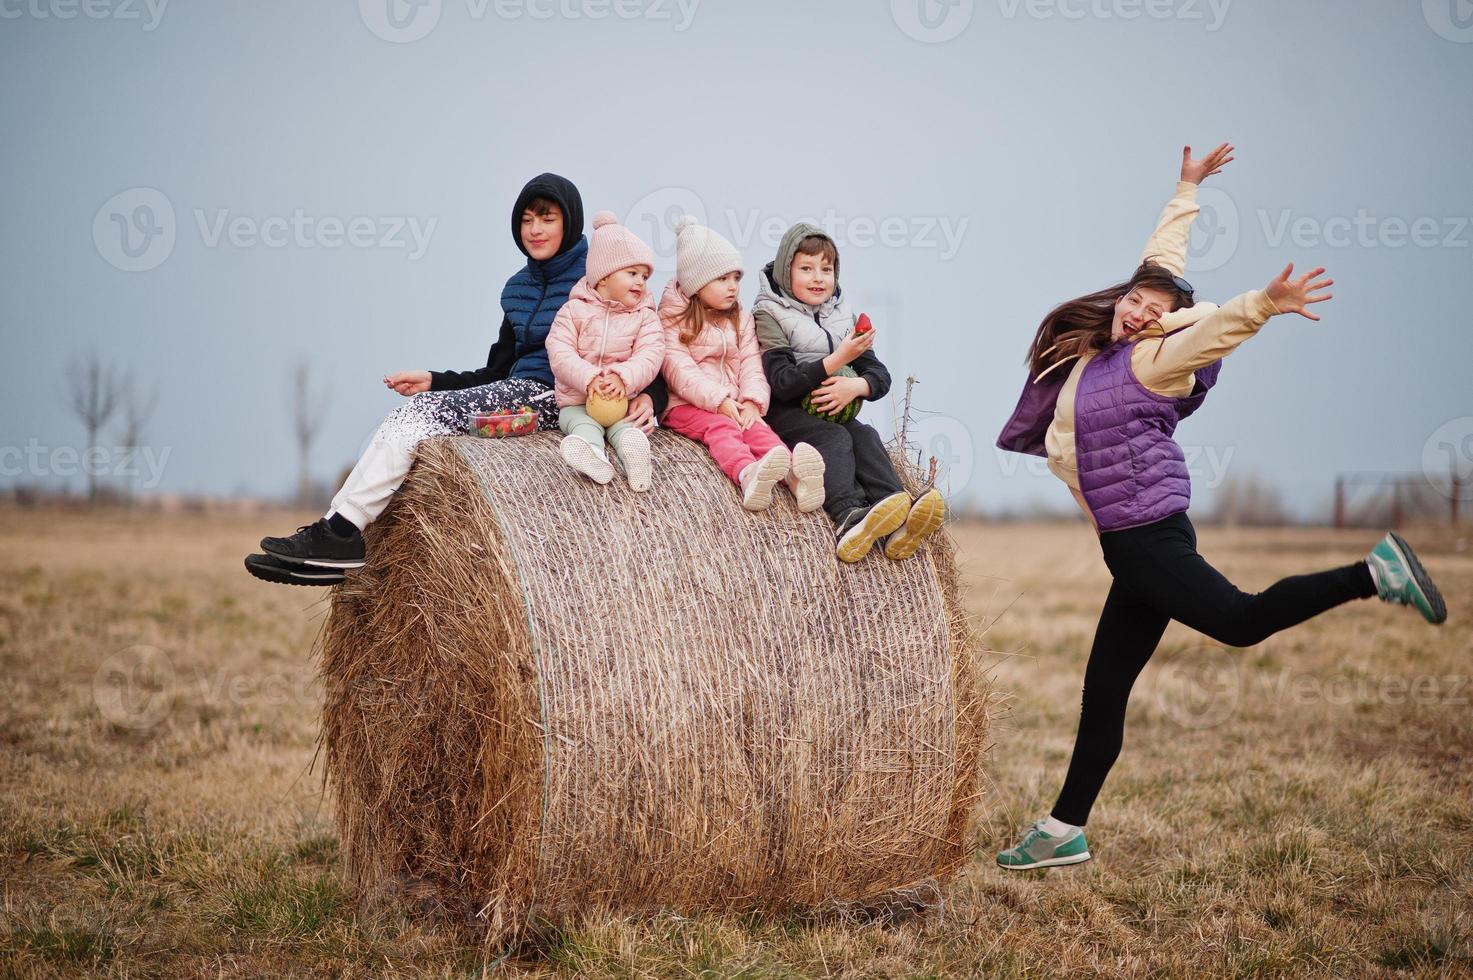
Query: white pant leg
[[386, 462]]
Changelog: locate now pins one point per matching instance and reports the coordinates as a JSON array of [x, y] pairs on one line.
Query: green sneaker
[[1039, 850], [1400, 578]]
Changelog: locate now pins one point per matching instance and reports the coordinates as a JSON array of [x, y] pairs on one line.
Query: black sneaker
[[318, 544], [269, 569]]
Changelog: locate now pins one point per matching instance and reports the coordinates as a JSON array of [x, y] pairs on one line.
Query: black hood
[[560, 190]]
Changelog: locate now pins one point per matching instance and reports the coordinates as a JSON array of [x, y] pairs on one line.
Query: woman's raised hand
[[1293, 295], [1196, 171], [408, 383]]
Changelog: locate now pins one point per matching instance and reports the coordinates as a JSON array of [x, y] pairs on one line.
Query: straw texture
[[554, 698]]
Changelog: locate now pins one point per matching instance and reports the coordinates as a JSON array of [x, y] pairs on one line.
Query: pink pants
[[732, 448]]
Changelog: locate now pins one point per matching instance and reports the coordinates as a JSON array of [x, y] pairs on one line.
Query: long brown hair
[[1076, 327], [693, 319]]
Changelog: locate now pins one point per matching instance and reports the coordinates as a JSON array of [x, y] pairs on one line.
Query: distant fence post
[[1339, 501]]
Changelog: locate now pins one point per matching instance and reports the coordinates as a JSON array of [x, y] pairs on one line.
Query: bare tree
[[93, 394], [309, 408], [1247, 499], [138, 409]]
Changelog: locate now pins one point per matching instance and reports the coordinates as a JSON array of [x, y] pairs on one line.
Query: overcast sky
[[207, 193]]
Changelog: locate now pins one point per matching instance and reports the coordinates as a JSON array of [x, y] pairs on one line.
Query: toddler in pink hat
[[607, 339]]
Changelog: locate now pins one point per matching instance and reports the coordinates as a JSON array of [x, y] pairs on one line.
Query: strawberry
[[863, 325]]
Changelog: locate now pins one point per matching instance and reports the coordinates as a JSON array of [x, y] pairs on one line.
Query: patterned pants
[[386, 461]]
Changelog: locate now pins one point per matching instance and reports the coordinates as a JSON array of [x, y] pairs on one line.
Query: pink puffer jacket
[[590, 335], [715, 366]]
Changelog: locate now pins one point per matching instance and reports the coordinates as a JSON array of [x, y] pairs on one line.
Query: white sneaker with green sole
[[1039, 850], [1400, 578]]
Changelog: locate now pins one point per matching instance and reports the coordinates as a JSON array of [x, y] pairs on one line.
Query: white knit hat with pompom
[[701, 255]]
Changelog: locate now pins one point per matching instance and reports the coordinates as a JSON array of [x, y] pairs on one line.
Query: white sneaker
[[580, 454], [633, 448], [760, 477], [805, 478]]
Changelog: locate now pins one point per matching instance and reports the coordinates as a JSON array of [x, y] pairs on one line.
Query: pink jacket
[[714, 366], [590, 335]]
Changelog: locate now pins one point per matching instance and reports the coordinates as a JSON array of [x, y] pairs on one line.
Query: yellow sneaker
[[862, 528], [926, 515]]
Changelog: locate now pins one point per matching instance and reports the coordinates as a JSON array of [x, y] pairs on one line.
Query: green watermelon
[[844, 414]]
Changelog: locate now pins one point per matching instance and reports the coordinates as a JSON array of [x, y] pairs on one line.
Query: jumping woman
[[1111, 375]]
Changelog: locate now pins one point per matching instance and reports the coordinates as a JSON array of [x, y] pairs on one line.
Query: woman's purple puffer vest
[[1131, 472]]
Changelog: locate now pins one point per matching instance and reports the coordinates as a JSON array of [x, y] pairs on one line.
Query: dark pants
[[1160, 577], [857, 468]]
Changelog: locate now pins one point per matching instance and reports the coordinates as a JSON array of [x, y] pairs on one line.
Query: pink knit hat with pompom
[[612, 247]]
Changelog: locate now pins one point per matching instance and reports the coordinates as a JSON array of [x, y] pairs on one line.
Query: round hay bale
[[547, 697]]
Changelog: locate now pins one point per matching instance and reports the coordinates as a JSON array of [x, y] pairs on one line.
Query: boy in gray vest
[[819, 366]]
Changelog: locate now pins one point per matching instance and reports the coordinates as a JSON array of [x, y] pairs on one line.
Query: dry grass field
[[1302, 808]]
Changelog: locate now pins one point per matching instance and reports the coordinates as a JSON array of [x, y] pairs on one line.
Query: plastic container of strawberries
[[499, 425]]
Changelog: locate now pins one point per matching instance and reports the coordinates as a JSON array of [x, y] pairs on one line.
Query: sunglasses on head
[[1181, 284]]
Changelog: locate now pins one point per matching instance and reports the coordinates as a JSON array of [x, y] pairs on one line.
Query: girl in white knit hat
[[605, 347], [718, 392]]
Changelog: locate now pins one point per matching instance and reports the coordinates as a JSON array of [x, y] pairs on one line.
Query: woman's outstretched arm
[[1168, 243], [1166, 365]]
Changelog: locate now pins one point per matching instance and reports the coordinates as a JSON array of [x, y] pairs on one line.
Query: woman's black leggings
[[1160, 577]]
